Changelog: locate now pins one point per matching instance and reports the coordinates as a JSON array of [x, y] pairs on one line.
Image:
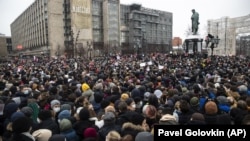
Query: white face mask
[[26, 92], [56, 109], [133, 105]]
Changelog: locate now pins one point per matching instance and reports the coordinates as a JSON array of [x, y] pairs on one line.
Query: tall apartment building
[[85, 27], [229, 31]]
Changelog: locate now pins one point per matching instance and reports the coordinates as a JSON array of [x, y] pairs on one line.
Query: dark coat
[[49, 124], [107, 127], [20, 137], [81, 125]]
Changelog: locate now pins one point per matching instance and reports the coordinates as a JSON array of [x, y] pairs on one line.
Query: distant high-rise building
[[90, 27]]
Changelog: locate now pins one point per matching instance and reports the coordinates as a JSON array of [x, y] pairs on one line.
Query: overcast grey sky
[[181, 9]]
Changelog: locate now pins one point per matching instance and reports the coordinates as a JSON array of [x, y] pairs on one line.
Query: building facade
[[145, 30], [5, 46], [89, 27], [229, 31]]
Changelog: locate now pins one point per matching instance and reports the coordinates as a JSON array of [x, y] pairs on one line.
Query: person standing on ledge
[[195, 21]]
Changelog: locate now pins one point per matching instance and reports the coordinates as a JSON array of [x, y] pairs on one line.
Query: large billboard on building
[[81, 14]]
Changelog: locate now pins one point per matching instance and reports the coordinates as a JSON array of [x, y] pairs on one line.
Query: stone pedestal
[[193, 44]]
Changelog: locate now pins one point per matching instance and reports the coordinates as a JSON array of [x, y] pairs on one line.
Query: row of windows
[[144, 17]]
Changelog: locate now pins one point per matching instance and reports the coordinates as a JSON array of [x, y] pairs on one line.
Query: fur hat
[[65, 125], [144, 136], [90, 133], [42, 134]]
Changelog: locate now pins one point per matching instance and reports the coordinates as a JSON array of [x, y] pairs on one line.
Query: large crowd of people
[[119, 98]]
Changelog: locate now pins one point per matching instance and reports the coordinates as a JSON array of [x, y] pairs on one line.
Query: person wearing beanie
[[65, 114], [66, 107], [46, 122], [67, 130], [85, 87], [136, 118], [195, 104], [109, 125], [8, 132], [42, 134], [87, 92], [90, 133], [21, 129], [16, 116], [28, 111], [98, 98], [9, 109], [83, 123], [223, 104], [55, 105], [144, 136]]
